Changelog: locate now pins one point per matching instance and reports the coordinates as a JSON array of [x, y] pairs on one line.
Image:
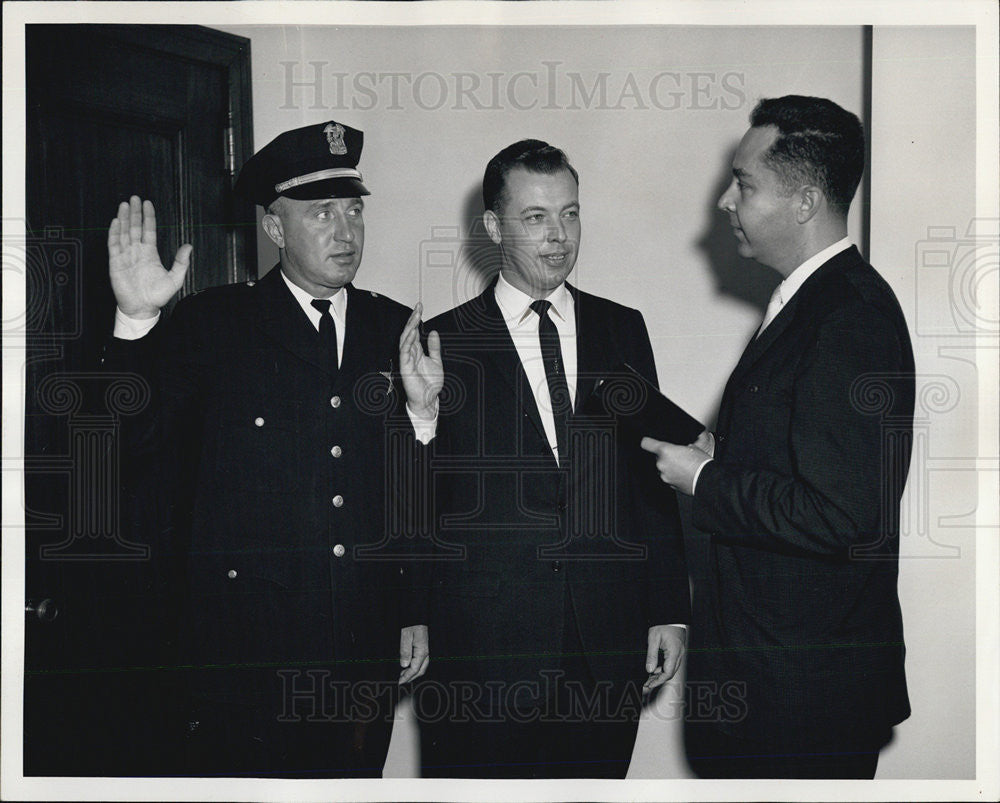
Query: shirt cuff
[[697, 473], [423, 428], [127, 328]]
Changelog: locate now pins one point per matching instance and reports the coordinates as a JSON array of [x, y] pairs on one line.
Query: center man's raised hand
[[142, 286], [422, 372]]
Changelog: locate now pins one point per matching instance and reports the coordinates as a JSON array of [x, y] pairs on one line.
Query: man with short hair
[[800, 485], [562, 572], [281, 401]]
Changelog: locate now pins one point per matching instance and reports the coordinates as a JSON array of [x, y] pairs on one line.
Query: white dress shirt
[[522, 323], [782, 295], [338, 309], [794, 280], [127, 328]]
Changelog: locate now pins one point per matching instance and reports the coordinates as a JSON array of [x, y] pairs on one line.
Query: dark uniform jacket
[[282, 472], [527, 544], [802, 501]]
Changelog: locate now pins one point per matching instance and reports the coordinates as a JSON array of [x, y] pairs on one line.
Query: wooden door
[[162, 112]]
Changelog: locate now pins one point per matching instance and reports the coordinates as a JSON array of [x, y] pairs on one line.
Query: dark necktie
[[327, 331], [555, 375]]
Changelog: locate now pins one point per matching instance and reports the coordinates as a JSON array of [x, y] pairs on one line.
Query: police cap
[[316, 161]]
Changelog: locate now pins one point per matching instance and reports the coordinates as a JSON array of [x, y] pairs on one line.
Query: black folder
[[624, 394]]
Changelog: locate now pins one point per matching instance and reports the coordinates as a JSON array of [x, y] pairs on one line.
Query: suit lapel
[[593, 358], [760, 345], [498, 350], [282, 320]]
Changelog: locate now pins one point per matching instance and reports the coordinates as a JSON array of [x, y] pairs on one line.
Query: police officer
[[281, 400]]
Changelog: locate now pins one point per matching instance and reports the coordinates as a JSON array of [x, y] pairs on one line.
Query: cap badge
[[335, 137]]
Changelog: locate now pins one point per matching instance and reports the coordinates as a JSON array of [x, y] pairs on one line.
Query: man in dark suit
[[561, 566], [801, 484], [279, 402]]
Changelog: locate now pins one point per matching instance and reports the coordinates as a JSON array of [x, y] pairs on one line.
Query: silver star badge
[[388, 378]]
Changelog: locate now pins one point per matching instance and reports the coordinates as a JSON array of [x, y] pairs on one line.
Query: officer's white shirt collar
[[515, 305], [790, 286], [338, 305]]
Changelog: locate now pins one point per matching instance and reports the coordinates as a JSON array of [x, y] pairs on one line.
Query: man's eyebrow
[[326, 203], [529, 209], [739, 172]]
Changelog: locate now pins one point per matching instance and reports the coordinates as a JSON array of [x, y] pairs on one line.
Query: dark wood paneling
[[112, 111]]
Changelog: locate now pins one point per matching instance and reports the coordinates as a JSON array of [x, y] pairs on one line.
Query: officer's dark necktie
[[327, 331], [555, 375]]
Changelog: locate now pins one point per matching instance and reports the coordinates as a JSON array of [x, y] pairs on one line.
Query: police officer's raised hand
[[422, 372], [142, 286]]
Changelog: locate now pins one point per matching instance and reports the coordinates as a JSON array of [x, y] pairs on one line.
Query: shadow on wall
[[743, 279], [480, 254]]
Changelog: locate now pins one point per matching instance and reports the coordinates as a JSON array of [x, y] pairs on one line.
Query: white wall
[[649, 180], [923, 171], [649, 176]]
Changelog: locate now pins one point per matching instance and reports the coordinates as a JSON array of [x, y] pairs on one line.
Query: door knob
[[46, 610]]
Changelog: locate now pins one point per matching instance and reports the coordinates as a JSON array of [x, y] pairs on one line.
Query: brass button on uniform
[[336, 451], [557, 565], [258, 421], [339, 550], [231, 574], [753, 388], [338, 501], [335, 402]]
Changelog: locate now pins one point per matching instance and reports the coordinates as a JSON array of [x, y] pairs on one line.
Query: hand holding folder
[[627, 396]]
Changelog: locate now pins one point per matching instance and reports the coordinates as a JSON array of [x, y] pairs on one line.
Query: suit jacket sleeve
[[172, 360], [833, 497], [656, 512], [407, 498], [407, 493]]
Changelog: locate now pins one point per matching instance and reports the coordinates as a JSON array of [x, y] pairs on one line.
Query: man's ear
[[811, 200], [273, 229], [492, 223]]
